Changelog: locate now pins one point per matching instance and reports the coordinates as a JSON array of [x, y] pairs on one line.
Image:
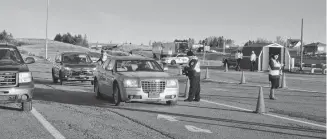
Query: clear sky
[[140, 21]]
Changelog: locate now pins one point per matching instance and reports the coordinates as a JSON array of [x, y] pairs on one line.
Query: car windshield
[[137, 65], [76, 59], [10, 55]]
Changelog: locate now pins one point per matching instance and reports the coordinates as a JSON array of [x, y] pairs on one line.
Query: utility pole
[[301, 61], [46, 33]]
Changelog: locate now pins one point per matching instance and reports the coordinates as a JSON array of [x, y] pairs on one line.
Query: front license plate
[[154, 95]]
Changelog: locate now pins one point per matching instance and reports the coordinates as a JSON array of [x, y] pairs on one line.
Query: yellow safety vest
[[276, 64]]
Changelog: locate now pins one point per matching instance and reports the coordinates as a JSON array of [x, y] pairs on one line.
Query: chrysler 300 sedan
[[135, 78]]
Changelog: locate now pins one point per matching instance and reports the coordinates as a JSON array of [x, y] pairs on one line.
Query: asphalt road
[[74, 111], [305, 82]]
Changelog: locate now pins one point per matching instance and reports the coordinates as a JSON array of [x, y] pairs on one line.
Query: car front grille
[[153, 86], [83, 72], [7, 79]]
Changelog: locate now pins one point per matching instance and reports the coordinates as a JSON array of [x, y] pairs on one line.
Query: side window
[[104, 65]]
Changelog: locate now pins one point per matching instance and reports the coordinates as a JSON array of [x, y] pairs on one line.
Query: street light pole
[[46, 33]]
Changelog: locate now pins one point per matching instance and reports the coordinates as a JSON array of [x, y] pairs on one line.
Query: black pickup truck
[[16, 81]]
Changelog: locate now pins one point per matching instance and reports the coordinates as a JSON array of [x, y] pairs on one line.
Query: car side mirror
[[29, 60]]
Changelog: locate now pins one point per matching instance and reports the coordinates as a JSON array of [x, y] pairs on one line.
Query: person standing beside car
[[238, 56], [193, 72]]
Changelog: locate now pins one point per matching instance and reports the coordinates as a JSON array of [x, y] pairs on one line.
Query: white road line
[[53, 131], [276, 116], [285, 118], [226, 105]]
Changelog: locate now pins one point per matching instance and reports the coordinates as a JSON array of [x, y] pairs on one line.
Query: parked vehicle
[[16, 81], [176, 59], [230, 60], [135, 78], [161, 50], [73, 66]]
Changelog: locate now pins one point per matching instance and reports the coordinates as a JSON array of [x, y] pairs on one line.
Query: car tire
[[54, 79], [116, 95], [27, 106], [97, 91], [173, 62], [171, 102], [61, 78]]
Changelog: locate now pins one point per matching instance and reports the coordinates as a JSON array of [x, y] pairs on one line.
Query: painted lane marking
[[167, 117], [276, 116], [53, 131], [281, 117], [196, 129], [226, 105]]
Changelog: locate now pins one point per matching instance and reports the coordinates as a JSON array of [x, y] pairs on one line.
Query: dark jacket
[[190, 70]]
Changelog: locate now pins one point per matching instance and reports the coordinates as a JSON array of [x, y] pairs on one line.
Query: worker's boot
[[272, 94]]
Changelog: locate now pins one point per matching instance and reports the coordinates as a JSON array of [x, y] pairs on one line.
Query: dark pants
[[238, 64], [194, 90], [252, 65], [274, 81]]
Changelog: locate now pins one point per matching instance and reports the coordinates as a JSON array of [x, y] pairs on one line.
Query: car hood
[[16, 67], [80, 65], [142, 74]]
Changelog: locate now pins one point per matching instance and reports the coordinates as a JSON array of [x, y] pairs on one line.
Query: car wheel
[[96, 91], [173, 62], [54, 79], [116, 95], [61, 78], [171, 102], [27, 106]]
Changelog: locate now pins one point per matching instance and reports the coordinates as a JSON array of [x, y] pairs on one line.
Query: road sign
[[170, 52]]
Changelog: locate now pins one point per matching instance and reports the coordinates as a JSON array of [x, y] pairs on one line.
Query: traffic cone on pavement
[[187, 87], [283, 81], [260, 103], [207, 74], [226, 67], [180, 70], [242, 78]]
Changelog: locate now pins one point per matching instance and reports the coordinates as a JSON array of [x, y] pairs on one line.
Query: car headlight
[[67, 68], [130, 83], [172, 83], [25, 77]]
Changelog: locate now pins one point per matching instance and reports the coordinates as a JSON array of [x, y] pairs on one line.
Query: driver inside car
[[142, 66]]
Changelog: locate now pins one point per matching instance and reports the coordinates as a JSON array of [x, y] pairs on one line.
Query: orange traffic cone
[[187, 87], [260, 103], [207, 74], [226, 67], [242, 78]]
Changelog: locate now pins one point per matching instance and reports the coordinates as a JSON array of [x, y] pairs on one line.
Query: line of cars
[[124, 78]]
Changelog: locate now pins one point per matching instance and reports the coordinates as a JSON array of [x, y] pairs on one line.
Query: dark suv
[[16, 81], [73, 66]]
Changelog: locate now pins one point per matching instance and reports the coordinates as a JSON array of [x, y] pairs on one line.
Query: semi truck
[[161, 50]]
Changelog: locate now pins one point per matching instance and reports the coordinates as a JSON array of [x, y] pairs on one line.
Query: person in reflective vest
[[193, 73], [253, 58], [274, 74]]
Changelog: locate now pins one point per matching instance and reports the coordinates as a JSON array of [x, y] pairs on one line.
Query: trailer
[[161, 50]]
